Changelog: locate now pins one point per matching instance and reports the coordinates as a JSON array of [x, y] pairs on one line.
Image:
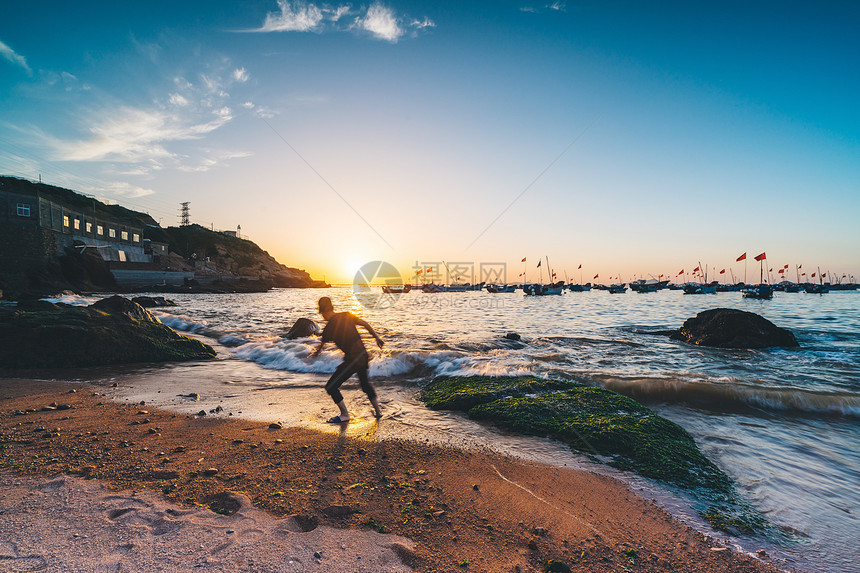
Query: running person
[[341, 329]]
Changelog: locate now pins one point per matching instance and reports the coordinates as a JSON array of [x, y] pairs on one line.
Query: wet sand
[[400, 505]]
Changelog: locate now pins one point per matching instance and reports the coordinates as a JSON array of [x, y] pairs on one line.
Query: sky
[[635, 139]]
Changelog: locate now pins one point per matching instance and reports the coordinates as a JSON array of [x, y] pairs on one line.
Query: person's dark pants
[[355, 364]]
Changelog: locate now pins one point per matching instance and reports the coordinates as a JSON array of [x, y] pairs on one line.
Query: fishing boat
[[501, 288], [616, 289], [762, 291], [396, 289], [542, 289]]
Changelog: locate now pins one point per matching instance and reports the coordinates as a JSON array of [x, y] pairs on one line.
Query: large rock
[[730, 328], [120, 305], [111, 331], [152, 301], [303, 328]]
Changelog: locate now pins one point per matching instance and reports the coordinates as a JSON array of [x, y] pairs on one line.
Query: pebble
[[275, 426], [317, 554]]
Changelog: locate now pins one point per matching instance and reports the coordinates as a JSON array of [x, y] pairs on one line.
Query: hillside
[[36, 260]]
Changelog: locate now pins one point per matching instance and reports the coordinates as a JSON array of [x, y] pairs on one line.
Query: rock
[[210, 472], [555, 566], [120, 305], [201, 413], [317, 554], [302, 328], [513, 336], [152, 301], [540, 531], [730, 328], [275, 426], [111, 331]]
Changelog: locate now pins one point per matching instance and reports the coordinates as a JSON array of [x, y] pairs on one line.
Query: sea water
[[783, 423]]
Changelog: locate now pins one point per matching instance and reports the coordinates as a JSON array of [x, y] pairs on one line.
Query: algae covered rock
[[731, 328], [303, 328], [594, 421], [111, 331]]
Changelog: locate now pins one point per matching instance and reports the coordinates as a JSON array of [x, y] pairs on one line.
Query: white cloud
[[14, 58], [248, 105], [381, 22], [302, 17], [378, 20], [178, 99], [240, 75], [557, 6]]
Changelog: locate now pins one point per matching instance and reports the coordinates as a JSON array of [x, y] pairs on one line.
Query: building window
[[65, 220], [125, 235], [89, 227], [77, 224], [121, 256], [23, 210], [135, 238], [100, 230], [112, 233]]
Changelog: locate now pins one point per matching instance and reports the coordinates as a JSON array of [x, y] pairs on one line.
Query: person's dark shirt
[[341, 330]]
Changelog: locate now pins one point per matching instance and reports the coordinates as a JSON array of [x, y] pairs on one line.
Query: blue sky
[[632, 138]]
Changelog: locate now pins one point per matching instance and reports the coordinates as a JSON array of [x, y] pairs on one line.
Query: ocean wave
[[182, 322], [727, 395], [293, 356], [72, 299]]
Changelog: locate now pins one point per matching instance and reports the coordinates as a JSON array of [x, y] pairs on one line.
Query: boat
[[696, 288], [501, 288], [616, 289], [396, 289], [542, 289], [762, 291]]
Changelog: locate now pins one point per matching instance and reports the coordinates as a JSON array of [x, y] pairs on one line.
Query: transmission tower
[[184, 215]]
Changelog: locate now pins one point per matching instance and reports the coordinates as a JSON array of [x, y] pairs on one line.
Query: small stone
[[279, 441], [475, 487], [201, 413], [210, 471], [143, 412], [238, 441], [761, 553], [20, 413], [72, 391], [114, 385], [439, 513], [179, 449], [719, 548], [152, 431], [532, 544], [317, 554], [64, 407], [540, 531], [275, 426]]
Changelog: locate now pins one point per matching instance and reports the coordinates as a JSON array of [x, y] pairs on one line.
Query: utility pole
[[184, 215]]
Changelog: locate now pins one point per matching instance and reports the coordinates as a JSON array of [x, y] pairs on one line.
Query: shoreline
[[464, 510]]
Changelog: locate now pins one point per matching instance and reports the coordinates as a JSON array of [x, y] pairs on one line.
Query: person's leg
[[333, 388], [367, 387]]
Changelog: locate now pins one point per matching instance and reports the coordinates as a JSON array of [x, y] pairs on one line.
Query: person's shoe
[[337, 420]]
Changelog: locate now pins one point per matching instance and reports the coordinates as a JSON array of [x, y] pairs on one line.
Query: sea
[[783, 423]]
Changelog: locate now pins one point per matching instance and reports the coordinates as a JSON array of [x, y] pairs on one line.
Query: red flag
[[770, 270], [823, 274], [524, 260], [419, 272], [740, 258], [553, 274], [781, 271], [813, 275], [803, 274], [722, 272], [785, 267], [430, 269], [681, 272], [761, 257], [696, 269], [799, 266], [595, 276], [579, 267]]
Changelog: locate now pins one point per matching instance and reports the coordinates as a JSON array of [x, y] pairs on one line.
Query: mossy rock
[[62, 336], [455, 393], [595, 421]]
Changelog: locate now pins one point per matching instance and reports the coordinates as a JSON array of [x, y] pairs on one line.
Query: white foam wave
[[72, 299], [181, 322], [294, 356]]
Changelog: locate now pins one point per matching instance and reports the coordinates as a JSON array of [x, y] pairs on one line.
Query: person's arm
[[318, 349], [363, 323]]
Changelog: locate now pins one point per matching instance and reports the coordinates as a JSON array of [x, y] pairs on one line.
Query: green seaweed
[[604, 424]]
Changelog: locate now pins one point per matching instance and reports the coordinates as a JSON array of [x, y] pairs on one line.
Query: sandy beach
[[94, 485]]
